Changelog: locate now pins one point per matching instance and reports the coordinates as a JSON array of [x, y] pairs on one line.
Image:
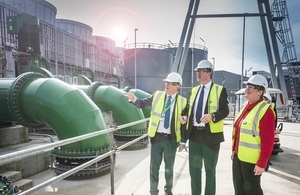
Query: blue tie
[[167, 113], [200, 105]]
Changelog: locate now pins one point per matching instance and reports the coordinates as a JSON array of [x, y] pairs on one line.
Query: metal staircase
[[283, 33]]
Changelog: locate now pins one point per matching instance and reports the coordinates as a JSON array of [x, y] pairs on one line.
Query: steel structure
[[284, 34], [268, 24]]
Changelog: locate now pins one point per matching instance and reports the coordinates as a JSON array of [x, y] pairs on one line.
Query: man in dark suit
[[208, 106], [164, 129]]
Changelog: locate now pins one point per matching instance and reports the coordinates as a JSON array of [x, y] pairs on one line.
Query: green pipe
[[92, 73], [5, 113], [43, 71], [110, 98], [35, 64], [32, 101], [84, 80], [140, 94], [46, 61]]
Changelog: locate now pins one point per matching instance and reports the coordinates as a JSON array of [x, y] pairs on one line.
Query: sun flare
[[119, 35]]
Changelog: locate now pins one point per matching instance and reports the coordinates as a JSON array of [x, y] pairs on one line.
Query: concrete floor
[[132, 172]]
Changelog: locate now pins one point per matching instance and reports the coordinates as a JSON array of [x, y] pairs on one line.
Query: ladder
[[283, 33]]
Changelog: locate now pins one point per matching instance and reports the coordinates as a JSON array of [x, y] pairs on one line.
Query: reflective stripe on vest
[[273, 108], [157, 109], [213, 106], [249, 143]]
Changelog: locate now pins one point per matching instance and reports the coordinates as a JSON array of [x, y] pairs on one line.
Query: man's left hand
[[206, 118], [181, 147]]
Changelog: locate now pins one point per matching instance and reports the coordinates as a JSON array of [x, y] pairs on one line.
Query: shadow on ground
[[287, 165]]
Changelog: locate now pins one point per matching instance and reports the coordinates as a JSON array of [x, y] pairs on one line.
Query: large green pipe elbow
[[110, 98], [140, 94], [32, 100]]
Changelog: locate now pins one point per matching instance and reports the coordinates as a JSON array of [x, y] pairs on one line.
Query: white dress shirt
[[161, 128], [206, 91]]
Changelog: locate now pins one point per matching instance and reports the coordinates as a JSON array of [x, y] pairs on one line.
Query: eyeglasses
[[171, 83]]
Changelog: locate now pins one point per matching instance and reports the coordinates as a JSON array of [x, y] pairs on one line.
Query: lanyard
[[166, 108]]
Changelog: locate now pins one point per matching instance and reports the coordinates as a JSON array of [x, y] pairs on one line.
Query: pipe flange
[[130, 132], [136, 146], [74, 153], [6, 186], [99, 168], [14, 94], [92, 88]]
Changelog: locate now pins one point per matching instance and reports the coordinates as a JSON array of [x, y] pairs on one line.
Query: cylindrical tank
[[44, 10], [154, 64], [104, 43], [189, 78], [78, 29]]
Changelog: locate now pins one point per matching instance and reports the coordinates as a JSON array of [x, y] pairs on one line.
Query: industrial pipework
[[111, 99], [140, 94], [6, 186], [34, 101]]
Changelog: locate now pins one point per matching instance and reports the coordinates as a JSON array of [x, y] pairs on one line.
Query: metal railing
[[7, 158], [162, 46]]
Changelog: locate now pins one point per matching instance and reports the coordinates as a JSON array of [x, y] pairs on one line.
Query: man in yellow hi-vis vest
[[164, 129], [208, 106]]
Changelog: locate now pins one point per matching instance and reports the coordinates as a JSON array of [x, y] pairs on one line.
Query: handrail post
[[112, 175]]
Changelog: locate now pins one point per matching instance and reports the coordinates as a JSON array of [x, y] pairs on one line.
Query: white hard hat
[[174, 77], [258, 80], [267, 95], [204, 64]]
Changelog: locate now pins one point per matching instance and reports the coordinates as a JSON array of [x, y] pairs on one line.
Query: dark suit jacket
[[145, 102], [207, 136]]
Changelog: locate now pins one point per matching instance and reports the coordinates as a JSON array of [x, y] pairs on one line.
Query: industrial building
[[31, 27], [72, 50]]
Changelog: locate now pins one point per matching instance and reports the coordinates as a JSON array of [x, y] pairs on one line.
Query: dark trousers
[[162, 147], [199, 154], [244, 180]]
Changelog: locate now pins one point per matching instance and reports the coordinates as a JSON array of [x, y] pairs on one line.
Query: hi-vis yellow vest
[[157, 109], [272, 105], [249, 144], [213, 106]]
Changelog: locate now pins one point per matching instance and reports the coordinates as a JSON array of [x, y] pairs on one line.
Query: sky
[[159, 21]]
